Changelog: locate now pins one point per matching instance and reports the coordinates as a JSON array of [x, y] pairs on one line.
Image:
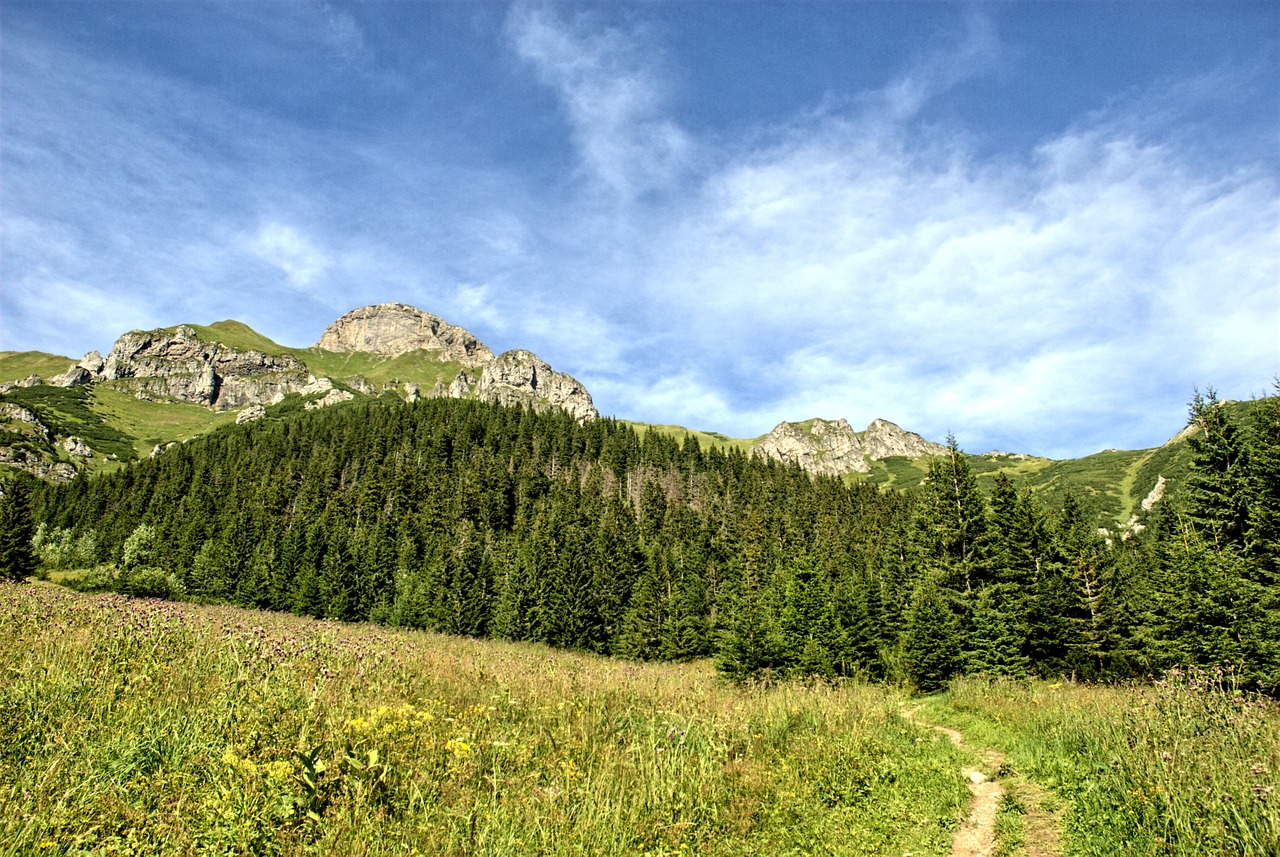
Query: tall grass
[[132, 727], [1186, 766]]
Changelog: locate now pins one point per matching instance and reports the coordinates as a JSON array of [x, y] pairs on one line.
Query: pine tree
[[953, 520], [1217, 489], [931, 644], [1263, 542], [994, 646], [17, 530]]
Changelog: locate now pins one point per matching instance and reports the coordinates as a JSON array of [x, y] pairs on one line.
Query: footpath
[[1034, 823]]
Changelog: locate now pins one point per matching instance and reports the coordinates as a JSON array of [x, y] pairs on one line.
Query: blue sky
[[1036, 225]]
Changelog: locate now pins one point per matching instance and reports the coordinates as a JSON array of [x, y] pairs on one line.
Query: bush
[[147, 581]]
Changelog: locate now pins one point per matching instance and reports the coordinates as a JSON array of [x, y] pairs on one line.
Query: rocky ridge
[[176, 364], [392, 329], [520, 377], [825, 449], [833, 448], [182, 365]]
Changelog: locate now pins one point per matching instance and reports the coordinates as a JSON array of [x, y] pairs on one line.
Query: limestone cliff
[[884, 439], [826, 448], [35, 449], [520, 377], [393, 329], [831, 448], [179, 365]]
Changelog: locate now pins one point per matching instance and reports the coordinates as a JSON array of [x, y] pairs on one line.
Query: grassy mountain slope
[[706, 439], [1112, 483], [16, 365], [117, 426]]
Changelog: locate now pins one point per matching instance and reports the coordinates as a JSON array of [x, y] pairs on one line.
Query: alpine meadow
[[639, 428], [526, 632]]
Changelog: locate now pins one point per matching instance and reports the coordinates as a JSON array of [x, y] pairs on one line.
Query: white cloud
[[852, 265], [1026, 293], [946, 65], [341, 32], [73, 317], [683, 399], [612, 96], [476, 304], [293, 253]]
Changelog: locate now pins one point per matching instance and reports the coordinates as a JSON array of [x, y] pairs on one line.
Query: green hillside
[[1111, 484], [16, 365], [708, 440], [117, 426]]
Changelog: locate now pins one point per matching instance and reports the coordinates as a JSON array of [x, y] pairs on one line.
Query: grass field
[[152, 423], [138, 727], [17, 365], [706, 439], [141, 727], [1186, 766]]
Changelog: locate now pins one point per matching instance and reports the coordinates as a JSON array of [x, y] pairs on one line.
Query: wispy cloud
[[611, 94], [294, 254], [865, 260], [972, 51]]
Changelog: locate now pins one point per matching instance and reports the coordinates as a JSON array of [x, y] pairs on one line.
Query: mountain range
[[157, 387]]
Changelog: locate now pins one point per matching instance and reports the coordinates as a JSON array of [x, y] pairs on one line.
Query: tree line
[[475, 519]]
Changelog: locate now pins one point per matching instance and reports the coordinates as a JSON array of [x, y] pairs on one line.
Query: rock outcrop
[[393, 329], [179, 365], [21, 459], [10, 411], [824, 449], [520, 377], [333, 397], [832, 448], [32, 380], [884, 439], [77, 447], [250, 414], [1155, 495]]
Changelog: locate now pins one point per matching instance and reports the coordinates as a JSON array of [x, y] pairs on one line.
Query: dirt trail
[[977, 834]]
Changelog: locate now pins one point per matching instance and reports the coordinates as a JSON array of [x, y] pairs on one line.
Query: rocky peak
[[884, 439], [520, 377], [392, 329], [827, 448], [178, 364], [831, 447]]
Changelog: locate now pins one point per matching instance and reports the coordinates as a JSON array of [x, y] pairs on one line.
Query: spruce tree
[[995, 644], [931, 640], [1217, 489], [17, 529], [953, 520], [1263, 542]]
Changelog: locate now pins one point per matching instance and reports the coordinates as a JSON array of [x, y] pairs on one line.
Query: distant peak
[[392, 329]]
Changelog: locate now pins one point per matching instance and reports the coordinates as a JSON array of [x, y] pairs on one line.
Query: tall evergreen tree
[[1217, 488], [953, 520], [1263, 541], [17, 530], [931, 638]]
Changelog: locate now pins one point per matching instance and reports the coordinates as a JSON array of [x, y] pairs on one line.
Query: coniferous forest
[[485, 521]]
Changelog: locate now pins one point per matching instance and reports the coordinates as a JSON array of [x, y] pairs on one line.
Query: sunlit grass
[[17, 365], [1186, 766], [143, 725], [150, 423]]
